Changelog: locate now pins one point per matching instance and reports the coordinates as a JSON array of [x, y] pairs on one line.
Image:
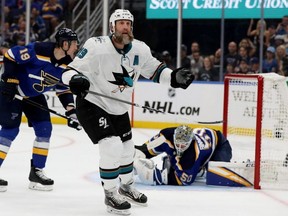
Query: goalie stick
[[116, 99]]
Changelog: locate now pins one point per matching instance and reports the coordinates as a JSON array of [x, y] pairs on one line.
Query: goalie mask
[[183, 136], [119, 14]]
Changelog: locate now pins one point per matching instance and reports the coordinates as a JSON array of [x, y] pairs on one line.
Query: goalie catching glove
[[181, 78], [72, 120], [79, 84]]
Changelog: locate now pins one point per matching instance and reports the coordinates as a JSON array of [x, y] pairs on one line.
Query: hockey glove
[[181, 78], [166, 162], [9, 88], [79, 84], [72, 119]]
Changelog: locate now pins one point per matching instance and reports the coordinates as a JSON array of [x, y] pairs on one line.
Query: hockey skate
[[39, 181], [131, 194], [115, 203], [3, 185]]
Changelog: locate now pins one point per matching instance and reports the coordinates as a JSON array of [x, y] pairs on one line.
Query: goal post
[[255, 121]]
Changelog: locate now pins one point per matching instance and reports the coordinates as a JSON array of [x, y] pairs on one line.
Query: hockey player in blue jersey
[[46, 60], [188, 153]]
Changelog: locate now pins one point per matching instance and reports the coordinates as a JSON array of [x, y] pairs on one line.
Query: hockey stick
[[96, 93], [120, 100], [40, 106]]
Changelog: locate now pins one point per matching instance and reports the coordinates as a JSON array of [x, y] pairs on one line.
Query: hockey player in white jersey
[[111, 65]]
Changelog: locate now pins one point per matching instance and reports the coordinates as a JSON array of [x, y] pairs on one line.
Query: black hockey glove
[[9, 87], [72, 120], [79, 84], [181, 78]]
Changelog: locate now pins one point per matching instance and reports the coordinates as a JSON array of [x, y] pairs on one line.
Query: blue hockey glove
[[72, 119], [9, 87], [79, 84], [181, 78]]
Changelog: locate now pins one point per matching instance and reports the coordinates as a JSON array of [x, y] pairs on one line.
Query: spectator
[[282, 60], [208, 72], [232, 57], [255, 34], [38, 24], [285, 38], [254, 65], [167, 59], [270, 63], [281, 28], [196, 63], [7, 33], [4, 48], [243, 67], [18, 29], [12, 9], [185, 61], [230, 68], [18, 37], [243, 53], [216, 60], [156, 55], [272, 34], [52, 13], [38, 4], [278, 40], [194, 47], [251, 49]]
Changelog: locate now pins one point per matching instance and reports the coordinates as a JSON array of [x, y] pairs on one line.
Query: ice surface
[[73, 164]]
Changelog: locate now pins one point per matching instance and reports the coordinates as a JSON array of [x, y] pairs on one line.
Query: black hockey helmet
[[65, 34]]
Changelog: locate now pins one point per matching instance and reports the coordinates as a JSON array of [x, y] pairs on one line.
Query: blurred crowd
[[239, 57], [45, 16]]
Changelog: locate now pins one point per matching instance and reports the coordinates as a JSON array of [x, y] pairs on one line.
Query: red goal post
[[255, 120]]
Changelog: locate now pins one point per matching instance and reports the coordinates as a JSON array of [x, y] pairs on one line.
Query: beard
[[123, 38]]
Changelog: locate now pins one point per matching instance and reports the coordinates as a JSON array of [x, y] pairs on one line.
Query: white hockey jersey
[[107, 67]]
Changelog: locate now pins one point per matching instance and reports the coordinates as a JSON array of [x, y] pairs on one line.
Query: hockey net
[[255, 115]]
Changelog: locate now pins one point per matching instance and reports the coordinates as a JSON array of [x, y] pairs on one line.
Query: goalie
[[188, 153]]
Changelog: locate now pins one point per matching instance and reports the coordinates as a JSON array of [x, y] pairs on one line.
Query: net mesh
[[241, 125]]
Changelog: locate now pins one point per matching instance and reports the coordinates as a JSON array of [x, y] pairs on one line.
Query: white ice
[[73, 164]]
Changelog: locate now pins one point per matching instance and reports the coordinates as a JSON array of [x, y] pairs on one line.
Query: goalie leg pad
[[230, 174], [149, 174], [139, 154]]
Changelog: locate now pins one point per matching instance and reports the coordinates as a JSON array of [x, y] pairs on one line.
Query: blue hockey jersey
[[35, 59], [184, 168]]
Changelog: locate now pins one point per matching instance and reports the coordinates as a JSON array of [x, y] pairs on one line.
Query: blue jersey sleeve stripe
[[197, 151], [9, 57]]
